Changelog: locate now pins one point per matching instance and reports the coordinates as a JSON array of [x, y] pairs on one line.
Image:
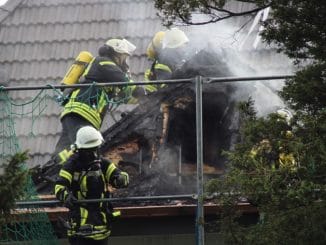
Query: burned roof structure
[[146, 122], [159, 136]]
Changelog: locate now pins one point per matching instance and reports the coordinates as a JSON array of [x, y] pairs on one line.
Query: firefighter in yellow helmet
[[87, 105], [166, 50], [86, 175]]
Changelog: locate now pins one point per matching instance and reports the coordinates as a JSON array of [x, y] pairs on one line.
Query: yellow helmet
[[155, 44]]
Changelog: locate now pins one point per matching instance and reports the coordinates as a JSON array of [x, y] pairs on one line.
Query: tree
[[172, 11], [278, 166], [288, 192], [12, 183]]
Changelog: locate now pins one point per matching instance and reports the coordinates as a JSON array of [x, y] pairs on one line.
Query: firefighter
[[279, 158], [87, 106], [86, 175], [166, 50], [286, 159]]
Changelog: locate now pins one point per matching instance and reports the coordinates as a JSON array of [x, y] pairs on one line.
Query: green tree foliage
[[307, 90], [279, 166], [298, 28], [288, 192], [12, 183], [172, 11]]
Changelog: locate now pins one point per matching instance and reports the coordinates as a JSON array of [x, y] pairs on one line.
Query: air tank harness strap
[[110, 213], [78, 62]]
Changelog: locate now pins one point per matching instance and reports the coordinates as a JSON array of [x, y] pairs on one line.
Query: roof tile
[[39, 41]]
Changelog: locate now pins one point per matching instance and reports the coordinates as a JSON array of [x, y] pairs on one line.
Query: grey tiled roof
[[39, 39]]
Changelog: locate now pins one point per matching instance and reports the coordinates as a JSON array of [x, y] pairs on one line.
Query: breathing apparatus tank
[[78, 67]]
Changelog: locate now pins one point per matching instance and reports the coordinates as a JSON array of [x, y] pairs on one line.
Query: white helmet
[[121, 46], [174, 38], [285, 114], [88, 137]]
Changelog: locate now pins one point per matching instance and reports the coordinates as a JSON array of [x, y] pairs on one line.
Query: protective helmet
[[285, 114], [88, 137], [121, 46], [174, 38], [155, 44]]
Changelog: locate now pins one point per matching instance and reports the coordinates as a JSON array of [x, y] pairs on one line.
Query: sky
[[2, 2]]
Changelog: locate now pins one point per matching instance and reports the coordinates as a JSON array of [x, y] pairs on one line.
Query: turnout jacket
[[91, 102], [87, 178], [157, 71]]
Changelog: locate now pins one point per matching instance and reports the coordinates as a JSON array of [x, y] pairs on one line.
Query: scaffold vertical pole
[[200, 233], [180, 165]]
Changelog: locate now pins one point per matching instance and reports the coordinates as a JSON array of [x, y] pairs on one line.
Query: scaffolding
[[198, 83]]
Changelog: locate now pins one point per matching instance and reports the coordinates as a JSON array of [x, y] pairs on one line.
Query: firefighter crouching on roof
[[86, 176], [166, 50], [87, 106], [279, 158]]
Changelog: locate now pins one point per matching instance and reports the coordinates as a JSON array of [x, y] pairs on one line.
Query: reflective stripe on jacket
[[157, 72], [89, 105], [86, 180], [91, 102]]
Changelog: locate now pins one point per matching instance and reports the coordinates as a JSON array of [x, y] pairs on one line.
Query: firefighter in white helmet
[[278, 155], [86, 175], [87, 105], [286, 159], [285, 114], [166, 50]]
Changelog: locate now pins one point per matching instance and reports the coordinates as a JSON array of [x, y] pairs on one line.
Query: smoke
[[235, 50], [244, 58]]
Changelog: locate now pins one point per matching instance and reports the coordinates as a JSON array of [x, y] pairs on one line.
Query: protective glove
[[122, 180], [149, 75], [70, 201]]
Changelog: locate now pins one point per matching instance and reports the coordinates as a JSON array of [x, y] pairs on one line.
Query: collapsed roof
[[156, 142], [164, 126]]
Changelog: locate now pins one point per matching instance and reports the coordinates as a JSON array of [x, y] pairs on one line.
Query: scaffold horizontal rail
[[170, 81], [140, 198], [245, 79]]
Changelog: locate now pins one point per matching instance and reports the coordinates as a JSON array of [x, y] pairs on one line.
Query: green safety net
[[34, 226]]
